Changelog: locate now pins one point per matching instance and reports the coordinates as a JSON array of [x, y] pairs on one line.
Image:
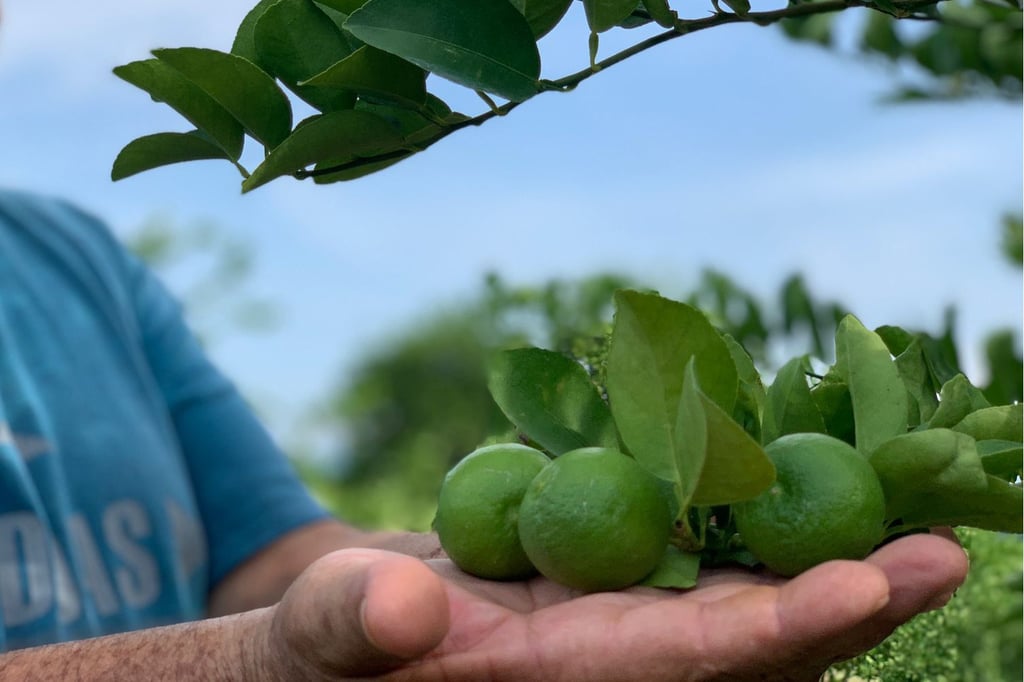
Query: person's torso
[[98, 526]]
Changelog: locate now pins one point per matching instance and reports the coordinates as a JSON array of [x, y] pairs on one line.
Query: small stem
[[489, 102]]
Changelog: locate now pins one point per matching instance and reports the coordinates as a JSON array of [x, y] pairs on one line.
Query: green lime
[[826, 503], [594, 520], [478, 510]]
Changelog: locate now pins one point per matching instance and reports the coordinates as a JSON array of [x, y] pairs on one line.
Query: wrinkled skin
[[366, 612]]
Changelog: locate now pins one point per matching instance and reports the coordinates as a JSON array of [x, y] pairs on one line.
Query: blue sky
[[731, 148]]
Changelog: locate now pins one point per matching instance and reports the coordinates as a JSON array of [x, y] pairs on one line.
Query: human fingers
[[357, 613], [923, 571]]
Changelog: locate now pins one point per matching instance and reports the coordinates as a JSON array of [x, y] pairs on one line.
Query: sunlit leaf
[[168, 85], [238, 85], [340, 134], [161, 149], [481, 44]]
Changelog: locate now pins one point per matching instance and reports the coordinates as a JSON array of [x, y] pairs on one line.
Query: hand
[[368, 612]]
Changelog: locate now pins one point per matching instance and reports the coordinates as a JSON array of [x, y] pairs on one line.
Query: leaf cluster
[[687, 402], [362, 65]]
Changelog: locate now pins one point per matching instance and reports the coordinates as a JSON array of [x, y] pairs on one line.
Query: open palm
[[736, 625]]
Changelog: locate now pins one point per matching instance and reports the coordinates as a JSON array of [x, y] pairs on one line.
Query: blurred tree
[[970, 48], [208, 268]]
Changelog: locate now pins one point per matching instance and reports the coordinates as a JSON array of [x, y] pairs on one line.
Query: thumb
[[360, 612]]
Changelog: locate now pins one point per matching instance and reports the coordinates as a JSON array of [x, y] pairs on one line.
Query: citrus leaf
[[789, 406], [896, 338], [690, 442], [341, 134], [736, 467], [832, 397], [740, 7], [605, 14], [661, 12], [247, 92], [375, 74], [165, 84], [343, 6], [652, 341], [676, 570], [1005, 422], [162, 149], [244, 44], [296, 40], [543, 15], [957, 399], [996, 508], [1001, 458], [481, 44], [550, 398], [876, 390], [750, 399], [912, 366], [914, 468]]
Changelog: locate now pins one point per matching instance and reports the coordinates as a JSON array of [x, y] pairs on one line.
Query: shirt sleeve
[[246, 489]]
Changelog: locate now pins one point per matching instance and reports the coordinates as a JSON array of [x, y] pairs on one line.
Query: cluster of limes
[[593, 519]]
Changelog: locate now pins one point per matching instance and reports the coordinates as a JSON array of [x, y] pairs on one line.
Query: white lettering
[[94, 577], [189, 539], [69, 606], [138, 580], [26, 587]]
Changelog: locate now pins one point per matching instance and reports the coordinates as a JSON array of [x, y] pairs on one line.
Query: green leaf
[[482, 44], [550, 398], [915, 469], [736, 467], [244, 44], [996, 507], [296, 40], [1004, 422], [912, 366], [652, 341], [878, 395], [957, 399], [343, 6], [676, 570], [750, 400], [690, 442], [340, 134], [1002, 458], [165, 84], [161, 149], [605, 14], [661, 12], [789, 406], [238, 85], [715, 460], [378, 75], [740, 7], [543, 15], [896, 338], [832, 397]]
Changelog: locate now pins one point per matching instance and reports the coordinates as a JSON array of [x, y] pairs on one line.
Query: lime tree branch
[[909, 9]]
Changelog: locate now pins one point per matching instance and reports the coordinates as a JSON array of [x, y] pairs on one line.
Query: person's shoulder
[[64, 233], [57, 221]]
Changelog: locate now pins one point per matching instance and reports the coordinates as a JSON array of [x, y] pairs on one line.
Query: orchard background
[[771, 180]]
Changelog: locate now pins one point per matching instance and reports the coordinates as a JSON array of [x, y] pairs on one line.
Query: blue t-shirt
[[133, 476]]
